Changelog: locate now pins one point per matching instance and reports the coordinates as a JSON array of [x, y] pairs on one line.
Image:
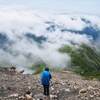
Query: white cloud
[[15, 23]]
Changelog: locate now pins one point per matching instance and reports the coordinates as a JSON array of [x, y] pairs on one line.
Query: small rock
[[62, 83], [14, 95], [91, 96], [21, 98], [52, 88], [53, 97], [22, 71], [83, 91], [90, 88], [67, 90], [12, 69], [29, 87], [39, 96], [76, 87], [28, 97]]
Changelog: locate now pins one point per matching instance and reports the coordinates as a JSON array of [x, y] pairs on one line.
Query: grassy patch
[[86, 60]]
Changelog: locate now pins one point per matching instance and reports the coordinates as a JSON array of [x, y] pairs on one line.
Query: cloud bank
[[27, 37]]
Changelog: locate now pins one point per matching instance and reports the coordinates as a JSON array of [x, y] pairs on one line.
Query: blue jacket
[[45, 77]]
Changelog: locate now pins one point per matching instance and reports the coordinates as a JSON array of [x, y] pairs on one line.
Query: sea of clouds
[[23, 51]]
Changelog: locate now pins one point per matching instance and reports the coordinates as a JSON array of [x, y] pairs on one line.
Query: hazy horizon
[[76, 6]]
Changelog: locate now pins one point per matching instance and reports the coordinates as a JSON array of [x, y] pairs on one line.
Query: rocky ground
[[65, 85]]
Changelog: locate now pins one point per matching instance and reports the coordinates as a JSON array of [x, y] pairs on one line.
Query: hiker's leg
[[47, 90], [48, 95], [44, 89]]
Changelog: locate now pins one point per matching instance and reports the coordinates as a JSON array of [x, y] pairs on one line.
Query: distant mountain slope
[[84, 60]]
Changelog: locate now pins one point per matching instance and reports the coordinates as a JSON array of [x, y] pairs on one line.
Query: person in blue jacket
[[45, 80]]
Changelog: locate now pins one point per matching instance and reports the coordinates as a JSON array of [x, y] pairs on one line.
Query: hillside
[[85, 60], [66, 85]]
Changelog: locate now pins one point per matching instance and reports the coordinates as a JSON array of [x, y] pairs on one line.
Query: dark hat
[[46, 69]]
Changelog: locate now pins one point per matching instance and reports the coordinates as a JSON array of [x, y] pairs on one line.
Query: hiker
[[45, 80]]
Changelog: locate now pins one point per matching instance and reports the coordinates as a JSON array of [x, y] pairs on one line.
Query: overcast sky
[[80, 6]]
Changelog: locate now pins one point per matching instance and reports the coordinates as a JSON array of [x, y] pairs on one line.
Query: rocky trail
[[65, 85]]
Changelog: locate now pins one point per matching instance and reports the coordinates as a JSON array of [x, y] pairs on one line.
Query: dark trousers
[[46, 90]]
